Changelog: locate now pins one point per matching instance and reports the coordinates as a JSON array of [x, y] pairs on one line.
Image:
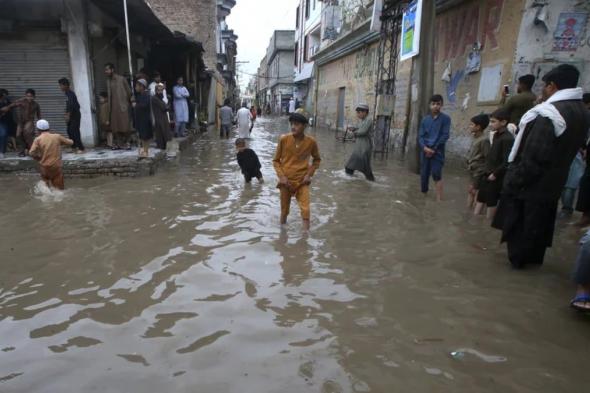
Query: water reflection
[[185, 281]]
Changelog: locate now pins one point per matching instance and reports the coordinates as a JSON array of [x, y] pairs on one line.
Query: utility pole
[[421, 83]]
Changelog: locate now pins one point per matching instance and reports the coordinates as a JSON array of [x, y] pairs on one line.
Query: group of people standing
[[17, 120], [534, 157], [150, 111]]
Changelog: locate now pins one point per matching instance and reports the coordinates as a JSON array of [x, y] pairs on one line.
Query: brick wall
[[195, 18]]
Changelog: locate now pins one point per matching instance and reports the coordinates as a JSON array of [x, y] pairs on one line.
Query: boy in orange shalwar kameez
[[292, 164]]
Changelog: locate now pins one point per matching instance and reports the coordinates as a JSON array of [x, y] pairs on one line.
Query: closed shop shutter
[[25, 64]]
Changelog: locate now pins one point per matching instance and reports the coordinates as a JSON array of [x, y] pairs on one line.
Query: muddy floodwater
[[185, 282]]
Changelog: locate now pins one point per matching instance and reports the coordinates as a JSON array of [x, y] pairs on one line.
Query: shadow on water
[[185, 281]]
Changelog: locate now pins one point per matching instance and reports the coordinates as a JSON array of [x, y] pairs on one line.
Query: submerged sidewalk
[[101, 162]]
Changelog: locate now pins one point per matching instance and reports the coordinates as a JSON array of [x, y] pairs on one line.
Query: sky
[[254, 22]]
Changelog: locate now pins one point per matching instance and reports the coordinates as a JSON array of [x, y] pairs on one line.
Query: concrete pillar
[[77, 22], [422, 83]]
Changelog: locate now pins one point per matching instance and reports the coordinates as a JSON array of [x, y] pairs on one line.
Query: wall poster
[[410, 42]]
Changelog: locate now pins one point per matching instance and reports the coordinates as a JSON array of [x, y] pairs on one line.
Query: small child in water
[[476, 160], [248, 162]]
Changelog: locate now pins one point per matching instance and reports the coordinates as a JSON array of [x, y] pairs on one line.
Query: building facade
[[345, 62], [280, 56], [44, 41], [307, 44], [480, 46]]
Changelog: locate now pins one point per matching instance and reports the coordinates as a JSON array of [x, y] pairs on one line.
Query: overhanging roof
[[144, 21]]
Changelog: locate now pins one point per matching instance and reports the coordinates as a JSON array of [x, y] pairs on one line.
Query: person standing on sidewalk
[[181, 96], [550, 136], [226, 115], [292, 165], [360, 159], [28, 111], [433, 135], [119, 100], [5, 120], [73, 115], [162, 132], [143, 117], [47, 150]]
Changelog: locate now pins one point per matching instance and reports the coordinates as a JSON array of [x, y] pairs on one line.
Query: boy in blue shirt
[[434, 133]]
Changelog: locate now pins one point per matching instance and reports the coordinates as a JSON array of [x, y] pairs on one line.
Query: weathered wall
[[195, 18], [494, 24], [541, 46], [356, 73]]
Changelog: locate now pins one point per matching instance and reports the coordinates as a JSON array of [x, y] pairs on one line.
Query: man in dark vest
[[551, 135]]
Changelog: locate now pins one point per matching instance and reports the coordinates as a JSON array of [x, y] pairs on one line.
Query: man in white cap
[[46, 149]]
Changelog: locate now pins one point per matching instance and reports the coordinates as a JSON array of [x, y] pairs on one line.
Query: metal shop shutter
[[26, 65]]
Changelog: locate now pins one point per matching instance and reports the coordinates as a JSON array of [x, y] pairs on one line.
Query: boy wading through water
[[291, 162], [476, 161], [496, 162], [248, 162], [433, 135], [46, 149]]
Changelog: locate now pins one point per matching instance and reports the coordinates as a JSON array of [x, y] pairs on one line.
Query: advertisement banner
[[410, 42]]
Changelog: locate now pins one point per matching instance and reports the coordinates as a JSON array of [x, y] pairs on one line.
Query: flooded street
[[185, 282]]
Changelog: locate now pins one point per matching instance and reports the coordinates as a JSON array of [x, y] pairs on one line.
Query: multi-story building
[[75, 38], [226, 49], [307, 44], [345, 62], [262, 93], [280, 56], [480, 46]]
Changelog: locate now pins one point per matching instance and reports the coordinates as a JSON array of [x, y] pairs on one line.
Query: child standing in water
[[46, 149], [248, 162], [433, 135], [496, 161], [476, 161], [292, 164]]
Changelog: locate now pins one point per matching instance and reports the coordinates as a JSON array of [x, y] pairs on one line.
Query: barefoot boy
[[46, 149], [476, 161], [248, 161], [291, 162], [433, 135]]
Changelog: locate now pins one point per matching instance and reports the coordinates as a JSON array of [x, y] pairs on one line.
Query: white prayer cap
[[143, 82], [42, 125]]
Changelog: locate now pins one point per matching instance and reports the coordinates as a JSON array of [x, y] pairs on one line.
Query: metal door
[[25, 64]]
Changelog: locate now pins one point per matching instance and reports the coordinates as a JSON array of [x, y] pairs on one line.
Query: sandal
[[584, 298]]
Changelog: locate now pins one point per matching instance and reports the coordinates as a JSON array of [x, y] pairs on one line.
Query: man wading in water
[[291, 162], [360, 160]]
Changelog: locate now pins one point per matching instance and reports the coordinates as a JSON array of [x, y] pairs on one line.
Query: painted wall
[[493, 24], [541, 46], [356, 73]]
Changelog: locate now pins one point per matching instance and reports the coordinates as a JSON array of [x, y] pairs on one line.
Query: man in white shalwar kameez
[[244, 117]]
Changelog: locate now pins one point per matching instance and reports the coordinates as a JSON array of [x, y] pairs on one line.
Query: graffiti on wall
[[461, 29], [568, 34]]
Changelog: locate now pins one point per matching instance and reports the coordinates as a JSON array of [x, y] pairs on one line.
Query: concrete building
[[44, 41], [307, 44], [345, 62], [204, 21], [481, 45], [280, 56], [262, 92]]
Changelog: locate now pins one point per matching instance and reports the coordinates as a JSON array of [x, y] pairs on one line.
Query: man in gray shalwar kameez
[[360, 160]]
